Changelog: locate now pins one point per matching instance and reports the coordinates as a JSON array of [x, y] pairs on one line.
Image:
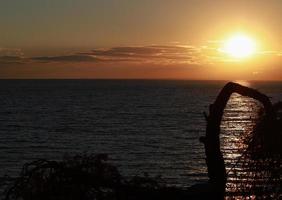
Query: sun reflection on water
[[239, 119]]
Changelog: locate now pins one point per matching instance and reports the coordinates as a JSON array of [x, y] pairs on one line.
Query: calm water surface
[[144, 126]]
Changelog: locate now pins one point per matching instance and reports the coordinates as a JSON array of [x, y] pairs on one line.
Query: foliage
[[78, 177]]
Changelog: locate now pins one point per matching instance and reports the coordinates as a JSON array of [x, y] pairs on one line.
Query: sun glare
[[239, 46]]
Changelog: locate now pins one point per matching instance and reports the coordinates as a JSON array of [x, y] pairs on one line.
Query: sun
[[239, 46]]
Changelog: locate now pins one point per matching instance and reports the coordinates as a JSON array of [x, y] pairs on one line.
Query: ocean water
[[144, 126]]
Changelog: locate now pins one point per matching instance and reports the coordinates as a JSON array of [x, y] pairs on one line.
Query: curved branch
[[214, 158], [218, 107]]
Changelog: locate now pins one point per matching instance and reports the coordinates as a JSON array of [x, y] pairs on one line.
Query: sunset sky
[[144, 39]]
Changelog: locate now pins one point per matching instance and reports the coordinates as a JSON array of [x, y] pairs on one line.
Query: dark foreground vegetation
[[89, 177], [93, 177]]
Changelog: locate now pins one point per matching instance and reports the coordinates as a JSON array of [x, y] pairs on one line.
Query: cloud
[[7, 60], [67, 58], [11, 56], [11, 52], [271, 53], [154, 54], [134, 54]]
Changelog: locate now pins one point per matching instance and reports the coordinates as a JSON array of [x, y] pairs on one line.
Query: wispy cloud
[[11, 56], [140, 54], [275, 53], [154, 54], [161, 54], [7, 60], [11, 52], [66, 58]]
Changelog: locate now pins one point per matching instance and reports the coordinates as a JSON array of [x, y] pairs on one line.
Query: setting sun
[[239, 46]]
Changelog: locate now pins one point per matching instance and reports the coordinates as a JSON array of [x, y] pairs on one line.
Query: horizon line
[[141, 79]]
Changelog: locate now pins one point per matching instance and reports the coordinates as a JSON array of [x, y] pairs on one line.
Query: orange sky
[[158, 39]]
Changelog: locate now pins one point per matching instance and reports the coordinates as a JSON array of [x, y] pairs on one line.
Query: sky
[[133, 39]]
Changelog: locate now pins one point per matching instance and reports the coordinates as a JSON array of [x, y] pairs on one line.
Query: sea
[[149, 127]]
